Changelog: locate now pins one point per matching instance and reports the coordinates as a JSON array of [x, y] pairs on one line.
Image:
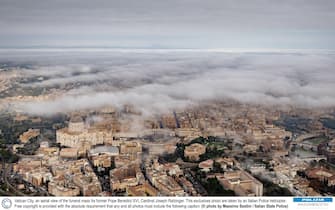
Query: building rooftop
[[112, 150], [76, 119]]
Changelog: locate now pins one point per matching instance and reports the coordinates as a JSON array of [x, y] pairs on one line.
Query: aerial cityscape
[[167, 98], [150, 136]]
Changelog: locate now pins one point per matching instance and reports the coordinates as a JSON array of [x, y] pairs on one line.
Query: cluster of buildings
[[251, 126], [142, 190], [162, 177], [33, 171], [241, 182], [328, 149], [102, 156], [81, 136], [60, 177], [70, 170], [129, 158], [71, 178], [322, 174], [193, 151], [126, 176]]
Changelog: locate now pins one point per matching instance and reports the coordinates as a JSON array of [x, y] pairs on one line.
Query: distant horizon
[[167, 49]]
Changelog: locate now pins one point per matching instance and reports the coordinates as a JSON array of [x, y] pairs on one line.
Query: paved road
[[5, 174], [4, 178]]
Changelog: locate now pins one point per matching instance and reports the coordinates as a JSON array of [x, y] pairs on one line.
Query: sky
[[247, 24]]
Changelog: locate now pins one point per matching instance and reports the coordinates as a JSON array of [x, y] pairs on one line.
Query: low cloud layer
[[160, 82]]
